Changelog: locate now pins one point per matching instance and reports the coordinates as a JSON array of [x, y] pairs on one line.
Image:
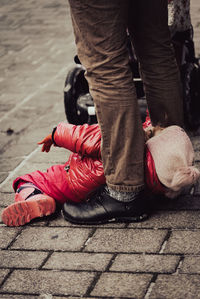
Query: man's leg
[[101, 37], [100, 32], [148, 26]]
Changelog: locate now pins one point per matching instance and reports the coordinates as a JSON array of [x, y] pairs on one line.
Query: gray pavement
[[51, 258]]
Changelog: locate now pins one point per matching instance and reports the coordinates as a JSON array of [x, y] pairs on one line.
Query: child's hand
[[47, 143]]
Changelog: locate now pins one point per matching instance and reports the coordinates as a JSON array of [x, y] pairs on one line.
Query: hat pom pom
[[183, 177]]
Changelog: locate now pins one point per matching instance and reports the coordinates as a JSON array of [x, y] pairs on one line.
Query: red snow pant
[[53, 182]]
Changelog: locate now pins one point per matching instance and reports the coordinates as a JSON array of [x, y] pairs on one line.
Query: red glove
[[47, 143]]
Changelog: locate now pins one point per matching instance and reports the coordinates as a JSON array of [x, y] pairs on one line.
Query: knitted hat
[[173, 156]]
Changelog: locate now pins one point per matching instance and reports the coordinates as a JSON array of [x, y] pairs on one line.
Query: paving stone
[[197, 163], [21, 259], [5, 107], [145, 263], [47, 69], [184, 241], [171, 219], [122, 285], [195, 142], [43, 221], [126, 240], [6, 236], [78, 261], [10, 296], [72, 297], [36, 134], [176, 286], [12, 123], [50, 238], [52, 282], [6, 186], [197, 189], [9, 164], [30, 167], [3, 274], [6, 199], [27, 168], [186, 202], [190, 265], [1, 210], [4, 140], [60, 221], [45, 99], [197, 153], [19, 150], [55, 156], [3, 176]]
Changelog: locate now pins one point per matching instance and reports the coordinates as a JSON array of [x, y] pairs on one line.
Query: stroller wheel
[[79, 105], [75, 87]]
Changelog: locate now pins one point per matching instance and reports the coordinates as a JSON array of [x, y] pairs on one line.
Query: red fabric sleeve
[[84, 139]]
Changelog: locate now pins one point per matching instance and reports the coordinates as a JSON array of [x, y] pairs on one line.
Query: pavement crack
[[111, 262], [88, 239], [6, 277], [93, 284], [165, 241], [151, 285], [14, 239], [46, 259], [179, 265]]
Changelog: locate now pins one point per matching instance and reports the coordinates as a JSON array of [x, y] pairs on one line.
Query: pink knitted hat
[[173, 156]]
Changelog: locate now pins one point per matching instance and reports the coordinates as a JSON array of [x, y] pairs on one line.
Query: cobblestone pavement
[[51, 258]]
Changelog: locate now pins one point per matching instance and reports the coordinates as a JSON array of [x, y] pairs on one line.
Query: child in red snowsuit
[[37, 192]]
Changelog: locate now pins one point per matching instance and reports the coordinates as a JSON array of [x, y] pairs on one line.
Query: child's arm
[[84, 139]]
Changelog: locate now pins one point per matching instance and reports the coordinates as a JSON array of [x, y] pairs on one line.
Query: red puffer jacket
[[83, 172], [84, 167]]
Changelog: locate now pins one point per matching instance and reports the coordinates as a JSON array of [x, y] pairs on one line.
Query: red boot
[[30, 203]]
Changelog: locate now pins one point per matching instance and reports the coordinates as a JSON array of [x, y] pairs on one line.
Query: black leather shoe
[[102, 208]]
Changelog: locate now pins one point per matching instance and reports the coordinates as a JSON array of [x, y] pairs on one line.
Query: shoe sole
[[20, 213], [105, 221]]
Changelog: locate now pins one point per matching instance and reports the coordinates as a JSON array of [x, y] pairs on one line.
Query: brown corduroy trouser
[[100, 28]]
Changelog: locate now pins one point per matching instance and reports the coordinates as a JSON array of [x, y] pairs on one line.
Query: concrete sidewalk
[[159, 258]]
